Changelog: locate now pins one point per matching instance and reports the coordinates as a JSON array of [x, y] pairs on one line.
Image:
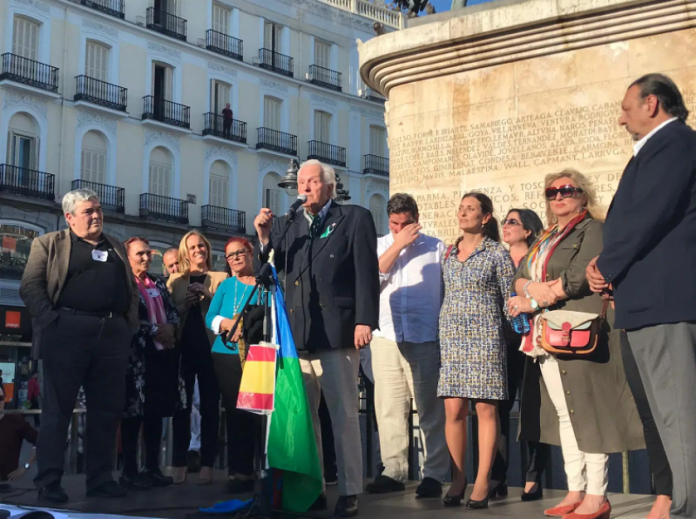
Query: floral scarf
[[154, 303]]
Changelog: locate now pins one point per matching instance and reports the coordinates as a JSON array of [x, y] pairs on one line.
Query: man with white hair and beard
[[332, 297]]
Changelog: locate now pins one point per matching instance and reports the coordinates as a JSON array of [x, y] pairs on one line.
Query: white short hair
[[328, 175], [71, 199]]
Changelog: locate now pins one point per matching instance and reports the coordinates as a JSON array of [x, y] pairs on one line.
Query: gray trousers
[[666, 359]]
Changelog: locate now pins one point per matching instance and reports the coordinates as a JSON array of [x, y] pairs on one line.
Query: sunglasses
[[236, 254], [512, 221], [565, 191]]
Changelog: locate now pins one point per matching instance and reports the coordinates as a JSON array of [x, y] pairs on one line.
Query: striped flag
[[257, 388]]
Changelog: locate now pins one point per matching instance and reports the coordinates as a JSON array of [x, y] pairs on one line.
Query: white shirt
[[411, 293], [637, 146]]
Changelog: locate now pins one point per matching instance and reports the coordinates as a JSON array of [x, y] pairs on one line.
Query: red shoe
[[561, 511], [602, 513]]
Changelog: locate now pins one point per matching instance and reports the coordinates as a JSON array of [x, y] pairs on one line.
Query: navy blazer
[[332, 280], [650, 233]]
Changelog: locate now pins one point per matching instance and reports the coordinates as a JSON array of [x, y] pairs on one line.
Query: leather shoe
[[347, 506], [320, 504], [107, 489], [158, 479], [561, 511], [429, 487], [135, 481], [53, 492], [603, 513], [384, 485]]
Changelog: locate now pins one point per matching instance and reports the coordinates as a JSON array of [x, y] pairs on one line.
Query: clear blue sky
[[444, 5]]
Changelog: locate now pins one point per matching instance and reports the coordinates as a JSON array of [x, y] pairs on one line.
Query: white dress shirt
[[637, 146], [411, 292]]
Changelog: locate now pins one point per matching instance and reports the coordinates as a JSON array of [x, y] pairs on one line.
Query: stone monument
[[495, 96]]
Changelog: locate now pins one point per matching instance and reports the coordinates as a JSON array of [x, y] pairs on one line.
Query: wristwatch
[[533, 304]]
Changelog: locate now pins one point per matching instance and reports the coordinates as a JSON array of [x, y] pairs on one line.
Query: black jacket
[[650, 234], [332, 281]]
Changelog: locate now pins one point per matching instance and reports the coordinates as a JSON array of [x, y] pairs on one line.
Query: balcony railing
[[224, 44], [166, 23], [376, 165], [110, 197], [30, 72], [101, 93], [277, 62], [230, 129], [276, 141], [27, 182], [223, 218], [389, 18], [166, 112], [111, 7], [328, 153], [325, 77], [164, 208]]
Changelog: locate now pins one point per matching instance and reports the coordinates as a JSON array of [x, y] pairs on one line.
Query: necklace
[[239, 303]]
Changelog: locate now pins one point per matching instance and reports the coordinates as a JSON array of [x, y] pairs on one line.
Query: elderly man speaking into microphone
[[332, 298]]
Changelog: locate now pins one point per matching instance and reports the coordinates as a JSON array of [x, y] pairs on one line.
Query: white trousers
[[405, 371], [335, 372], [586, 472]]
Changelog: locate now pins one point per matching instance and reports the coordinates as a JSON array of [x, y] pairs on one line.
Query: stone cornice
[[513, 33]]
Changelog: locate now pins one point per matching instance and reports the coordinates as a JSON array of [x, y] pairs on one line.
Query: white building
[[126, 97]]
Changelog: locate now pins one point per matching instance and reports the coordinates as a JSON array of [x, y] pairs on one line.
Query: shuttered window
[[160, 181], [97, 61], [322, 126], [219, 95], [94, 157], [269, 29], [219, 184], [273, 200], [271, 113], [379, 211], [25, 38], [377, 141], [322, 54], [221, 19]]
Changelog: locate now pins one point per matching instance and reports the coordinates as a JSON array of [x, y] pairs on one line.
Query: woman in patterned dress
[[477, 274]]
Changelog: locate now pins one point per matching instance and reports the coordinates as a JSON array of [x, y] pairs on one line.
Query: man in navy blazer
[[329, 258], [649, 260]]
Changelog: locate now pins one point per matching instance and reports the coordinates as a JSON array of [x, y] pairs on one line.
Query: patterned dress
[[473, 321]]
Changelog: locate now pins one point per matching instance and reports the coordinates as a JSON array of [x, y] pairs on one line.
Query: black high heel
[[534, 496], [449, 500], [479, 505], [500, 490]]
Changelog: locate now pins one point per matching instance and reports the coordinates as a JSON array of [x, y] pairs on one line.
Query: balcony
[[276, 62], [111, 197], [327, 153], [29, 72], [165, 23], [224, 44], [101, 93], [366, 9], [110, 7], [324, 77], [274, 140], [375, 165], [166, 112], [27, 182], [214, 125], [223, 219], [163, 208]]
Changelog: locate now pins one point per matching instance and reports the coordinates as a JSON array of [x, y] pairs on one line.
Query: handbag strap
[[605, 307], [449, 251]]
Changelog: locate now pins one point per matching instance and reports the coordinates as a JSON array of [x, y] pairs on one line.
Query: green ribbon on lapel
[[328, 231]]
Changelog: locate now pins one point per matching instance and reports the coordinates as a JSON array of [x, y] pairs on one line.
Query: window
[[322, 126], [23, 142], [378, 138], [271, 113], [219, 96], [273, 201], [378, 209], [221, 19], [162, 81], [322, 54], [219, 184], [94, 157], [271, 36], [25, 38], [272, 194], [167, 6], [160, 181], [97, 61]]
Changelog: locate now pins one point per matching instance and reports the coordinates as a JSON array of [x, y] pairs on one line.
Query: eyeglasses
[[236, 254], [512, 221], [565, 191]]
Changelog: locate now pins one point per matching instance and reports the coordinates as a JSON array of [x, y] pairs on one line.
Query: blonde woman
[[192, 290], [581, 403]]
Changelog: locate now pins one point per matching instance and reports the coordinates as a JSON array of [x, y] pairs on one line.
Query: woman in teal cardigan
[[229, 301]]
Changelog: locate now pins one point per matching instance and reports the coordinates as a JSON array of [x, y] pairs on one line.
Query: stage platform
[[182, 501]]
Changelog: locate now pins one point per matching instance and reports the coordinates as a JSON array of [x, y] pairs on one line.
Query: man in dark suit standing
[[332, 297], [648, 258], [81, 294]]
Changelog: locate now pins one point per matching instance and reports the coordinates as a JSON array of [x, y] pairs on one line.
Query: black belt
[[86, 314]]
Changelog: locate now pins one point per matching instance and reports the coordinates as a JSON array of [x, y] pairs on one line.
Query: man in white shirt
[[405, 354]]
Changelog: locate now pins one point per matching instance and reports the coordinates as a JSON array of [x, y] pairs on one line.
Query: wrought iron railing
[[110, 197], [376, 165], [27, 182], [30, 72], [111, 7], [166, 111], [277, 62], [223, 218], [230, 129], [101, 93], [224, 44], [276, 141], [328, 153], [166, 23], [164, 208], [325, 77]]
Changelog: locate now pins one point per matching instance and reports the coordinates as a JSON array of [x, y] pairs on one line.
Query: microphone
[[301, 199]]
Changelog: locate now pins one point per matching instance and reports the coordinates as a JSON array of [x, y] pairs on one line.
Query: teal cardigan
[[229, 299]]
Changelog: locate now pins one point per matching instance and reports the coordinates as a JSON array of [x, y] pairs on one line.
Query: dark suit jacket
[[650, 233], [332, 282]]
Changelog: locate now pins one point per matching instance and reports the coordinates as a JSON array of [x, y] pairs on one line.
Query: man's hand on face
[[407, 235]]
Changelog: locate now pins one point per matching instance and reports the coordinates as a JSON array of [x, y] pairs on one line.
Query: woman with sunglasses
[[581, 403], [227, 304], [521, 228]]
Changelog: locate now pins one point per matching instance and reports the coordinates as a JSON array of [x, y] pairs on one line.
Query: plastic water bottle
[[521, 322]]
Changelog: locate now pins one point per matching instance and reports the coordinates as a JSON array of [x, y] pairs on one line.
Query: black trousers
[[130, 433], [37, 417], [242, 426], [226, 125], [91, 352], [659, 466], [198, 362]]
